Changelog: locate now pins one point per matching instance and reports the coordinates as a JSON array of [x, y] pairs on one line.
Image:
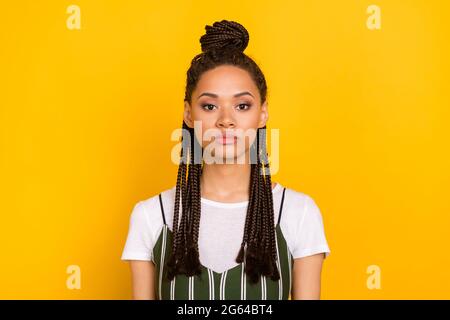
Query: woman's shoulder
[[145, 225], [296, 198], [302, 224], [152, 207], [297, 204], [153, 200]]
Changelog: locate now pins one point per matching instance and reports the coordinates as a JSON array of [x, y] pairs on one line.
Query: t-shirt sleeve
[[310, 236], [139, 243]]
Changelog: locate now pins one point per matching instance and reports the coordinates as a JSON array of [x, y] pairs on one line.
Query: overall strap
[[281, 206], [162, 209]]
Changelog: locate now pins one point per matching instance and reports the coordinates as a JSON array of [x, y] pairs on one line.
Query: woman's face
[[225, 113]]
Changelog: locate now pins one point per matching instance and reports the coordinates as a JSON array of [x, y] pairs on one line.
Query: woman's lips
[[227, 139]]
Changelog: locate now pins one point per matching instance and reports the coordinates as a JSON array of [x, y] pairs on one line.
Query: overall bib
[[231, 284]]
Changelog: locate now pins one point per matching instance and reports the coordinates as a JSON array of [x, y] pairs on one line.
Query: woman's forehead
[[226, 81]]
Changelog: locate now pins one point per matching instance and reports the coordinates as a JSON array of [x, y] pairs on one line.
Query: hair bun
[[224, 34]]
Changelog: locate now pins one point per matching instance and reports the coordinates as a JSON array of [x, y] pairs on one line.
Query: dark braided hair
[[223, 44]]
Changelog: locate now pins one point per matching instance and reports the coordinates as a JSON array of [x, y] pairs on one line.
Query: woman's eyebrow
[[213, 95]]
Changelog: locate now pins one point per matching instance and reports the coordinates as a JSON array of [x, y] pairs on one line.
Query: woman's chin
[[230, 157]]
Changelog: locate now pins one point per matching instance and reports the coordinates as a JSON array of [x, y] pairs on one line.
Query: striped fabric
[[232, 284]]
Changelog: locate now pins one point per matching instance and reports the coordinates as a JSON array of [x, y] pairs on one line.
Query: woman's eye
[[246, 106], [206, 106], [210, 107]]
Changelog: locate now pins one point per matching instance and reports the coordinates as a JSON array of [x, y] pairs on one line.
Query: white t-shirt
[[222, 227]]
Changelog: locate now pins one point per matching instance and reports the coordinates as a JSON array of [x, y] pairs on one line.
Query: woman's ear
[[187, 116], [264, 115]]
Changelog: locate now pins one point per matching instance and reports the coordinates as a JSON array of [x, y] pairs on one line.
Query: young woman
[[239, 235]]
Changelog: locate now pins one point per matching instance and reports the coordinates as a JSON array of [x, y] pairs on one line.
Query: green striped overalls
[[230, 284]]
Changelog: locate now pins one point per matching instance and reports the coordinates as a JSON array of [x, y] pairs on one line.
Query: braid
[[175, 257], [196, 218], [224, 34], [184, 257], [250, 215], [270, 251], [259, 231]]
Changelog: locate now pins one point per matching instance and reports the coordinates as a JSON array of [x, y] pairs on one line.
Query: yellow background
[[86, 117]]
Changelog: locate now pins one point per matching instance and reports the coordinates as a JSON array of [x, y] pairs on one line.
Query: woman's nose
[[225, 120]]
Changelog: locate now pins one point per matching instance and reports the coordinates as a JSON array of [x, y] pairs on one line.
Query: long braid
[[175, 257], [270, 234], [189, 202], [250, 215], [193, 263]]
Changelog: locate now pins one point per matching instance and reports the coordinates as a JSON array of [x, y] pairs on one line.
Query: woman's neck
[[226, 182]]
